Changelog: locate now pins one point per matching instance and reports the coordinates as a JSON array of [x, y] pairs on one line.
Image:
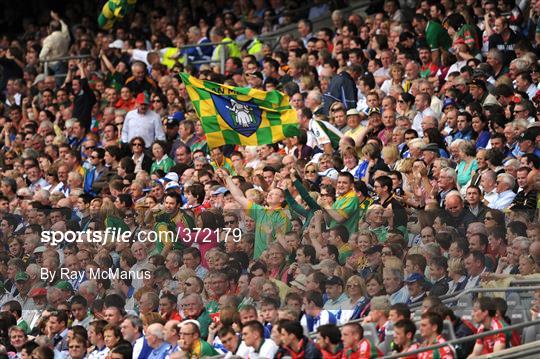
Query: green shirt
[[201, 349], [165, 164], [345, 251], [212, 307], [24, 326], [268, 224], [348, 207], [227, 164], [204, 321], [437, 37]]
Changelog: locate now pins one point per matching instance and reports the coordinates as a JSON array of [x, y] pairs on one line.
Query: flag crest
[[239, 115]]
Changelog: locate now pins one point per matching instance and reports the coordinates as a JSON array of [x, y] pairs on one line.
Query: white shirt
[[474, 282], [136, 282], [242, 351], [268, 350], [100, 354], [490, 197], [417, 121], [531, 91], [148, 126], [137, 347], [39, 184], [503, 200]]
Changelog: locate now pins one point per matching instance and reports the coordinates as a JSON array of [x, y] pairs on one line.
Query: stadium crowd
[[415, 175]]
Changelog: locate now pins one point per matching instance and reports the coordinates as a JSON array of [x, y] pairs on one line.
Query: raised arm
[[236, 192]]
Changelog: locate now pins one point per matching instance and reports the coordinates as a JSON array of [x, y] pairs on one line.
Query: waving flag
[[241, 115]]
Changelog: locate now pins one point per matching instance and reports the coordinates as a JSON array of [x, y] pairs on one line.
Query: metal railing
[[222, 57], [60, 59], [465, 339], [514, 286]]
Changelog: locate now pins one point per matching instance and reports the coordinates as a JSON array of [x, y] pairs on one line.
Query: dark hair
[[293, 327], [330, 331], [193, 251], [332, 251], [385, 181], [309, 251], [487, 303], [342, 232], [407, 325], [13, 306], [402, 309], [478, 256], [518, 227], [440, 262], [435, 136], [256, 326], [44, 352], [315, 297], [434, 319], [79, 299], [123, 349], [61, 316]]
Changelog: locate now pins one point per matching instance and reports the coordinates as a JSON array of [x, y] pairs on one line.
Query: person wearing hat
[[299, 284], [430, 153], [255, 80], [217, 196], [329, 177], [66, 288], [353, 123], [479, 92], [336, 295], [529, 142], [374, 261], [171, 124], [416, 287], [142, 122], [39, 296], [23, 284]]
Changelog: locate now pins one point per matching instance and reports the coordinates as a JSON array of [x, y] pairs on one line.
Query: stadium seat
[[464, 313], [513, 300], [518, 315], [370, 332], [465, 301], [386, 345], [448, 330]]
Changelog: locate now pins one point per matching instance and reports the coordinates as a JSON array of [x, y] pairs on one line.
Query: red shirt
[[365, 349], [410, 349], [488, 342], [445, 352]]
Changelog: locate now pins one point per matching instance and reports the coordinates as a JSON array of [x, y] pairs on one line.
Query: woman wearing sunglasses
[[141, 159]]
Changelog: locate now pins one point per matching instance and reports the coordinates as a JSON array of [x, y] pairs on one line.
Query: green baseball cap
[[64, 285], [22, 276]]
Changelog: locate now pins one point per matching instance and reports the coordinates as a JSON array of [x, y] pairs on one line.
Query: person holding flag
[[270, 222]]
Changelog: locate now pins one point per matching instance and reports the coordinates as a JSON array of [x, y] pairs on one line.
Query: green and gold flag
[[241, 115]]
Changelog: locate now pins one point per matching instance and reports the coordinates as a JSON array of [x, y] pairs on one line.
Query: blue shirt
[[160, 352], [401, 296]]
